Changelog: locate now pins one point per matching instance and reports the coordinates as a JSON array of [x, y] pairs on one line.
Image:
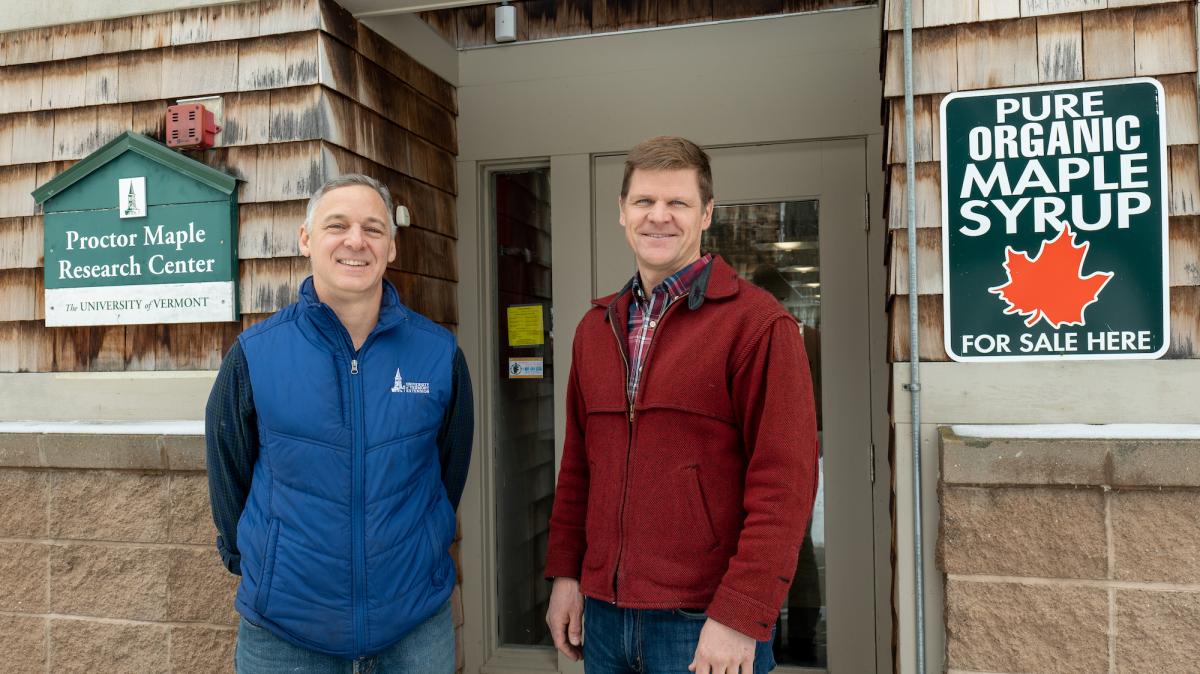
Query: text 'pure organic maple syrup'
[[1054, 222]]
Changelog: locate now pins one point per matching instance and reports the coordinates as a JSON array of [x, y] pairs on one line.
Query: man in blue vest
[[339, 435]]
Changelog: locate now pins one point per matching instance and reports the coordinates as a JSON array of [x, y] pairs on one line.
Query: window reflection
[[775, 246]]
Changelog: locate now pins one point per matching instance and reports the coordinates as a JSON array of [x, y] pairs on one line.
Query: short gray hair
[[348, 180]]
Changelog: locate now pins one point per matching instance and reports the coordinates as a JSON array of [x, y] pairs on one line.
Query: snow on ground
[[105, 427], [1082, 431]]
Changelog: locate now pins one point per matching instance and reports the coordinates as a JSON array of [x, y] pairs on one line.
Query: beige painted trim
[[905, 590], [105, 396], [21, 15], [372, 8], [877, 321], [420, 41], [534, 99], [471, 339], [1088, 392]]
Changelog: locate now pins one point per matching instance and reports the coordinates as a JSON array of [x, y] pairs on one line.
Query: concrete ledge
[[1125, 462], [99, 451]]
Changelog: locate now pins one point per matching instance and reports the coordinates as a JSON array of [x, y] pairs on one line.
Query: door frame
[[478, 323], [572, 211]]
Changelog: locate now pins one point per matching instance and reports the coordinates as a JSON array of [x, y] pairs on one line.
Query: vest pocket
[[695, 495], [434, 534], [263, 592]]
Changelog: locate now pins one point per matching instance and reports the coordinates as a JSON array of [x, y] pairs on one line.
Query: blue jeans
[[428, 649], [647, 641]]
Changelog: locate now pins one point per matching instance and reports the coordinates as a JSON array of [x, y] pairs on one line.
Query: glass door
[[776, 246], [523, 404]]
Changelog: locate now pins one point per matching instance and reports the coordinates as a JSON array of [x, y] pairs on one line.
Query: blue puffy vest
[[346, 533]]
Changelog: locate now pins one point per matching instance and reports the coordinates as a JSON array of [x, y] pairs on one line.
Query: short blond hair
[[669, 153]]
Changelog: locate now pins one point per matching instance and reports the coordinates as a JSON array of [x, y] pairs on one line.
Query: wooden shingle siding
[[997, 54], [929, 318], [935, 62], [1182, 122], [269, 230], [948, 12], [1185, 322], [1060, 48], [20, 243], [994, 10], [268, 284], [21, 293], [1185, 179], [929, 262], [1044, 7], [1108, 45], [308, 94], [979, 44], [1162, 35], [929, 195], [16, 183], [1185, 250]]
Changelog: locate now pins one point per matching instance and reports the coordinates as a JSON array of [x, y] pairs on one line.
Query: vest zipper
[[358, 542], [357, 512], [621, 346]]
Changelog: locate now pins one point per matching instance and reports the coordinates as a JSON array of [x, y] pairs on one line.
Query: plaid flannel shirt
[[645, 313]]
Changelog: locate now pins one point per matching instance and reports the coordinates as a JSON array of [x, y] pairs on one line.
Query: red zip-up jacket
[[699, 494]]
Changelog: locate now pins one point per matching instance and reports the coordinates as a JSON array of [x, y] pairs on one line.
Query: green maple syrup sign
[[138, 233], [1054, 222]]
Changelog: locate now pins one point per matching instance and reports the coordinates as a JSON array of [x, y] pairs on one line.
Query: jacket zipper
[[629, 406]]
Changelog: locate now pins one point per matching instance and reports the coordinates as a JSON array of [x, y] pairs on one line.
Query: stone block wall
[[107, 558], [1070, 555]]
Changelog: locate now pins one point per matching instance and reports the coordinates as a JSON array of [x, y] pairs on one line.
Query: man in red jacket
[[690, 462]]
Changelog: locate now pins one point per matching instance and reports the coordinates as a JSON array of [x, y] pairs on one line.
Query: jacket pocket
[[263, 592], [699, 508]]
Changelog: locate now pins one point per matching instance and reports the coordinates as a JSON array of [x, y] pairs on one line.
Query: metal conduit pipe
[[914, 359]]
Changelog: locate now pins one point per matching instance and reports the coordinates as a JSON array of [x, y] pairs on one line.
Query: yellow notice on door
[[525, 325]]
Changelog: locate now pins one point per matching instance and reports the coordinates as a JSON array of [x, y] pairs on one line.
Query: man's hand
[[565, 617], [722, 650]]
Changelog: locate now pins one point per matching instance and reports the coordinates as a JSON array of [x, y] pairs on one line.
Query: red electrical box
[[190, 126]]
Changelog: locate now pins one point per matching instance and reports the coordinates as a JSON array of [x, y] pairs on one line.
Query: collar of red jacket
[[717, 282]]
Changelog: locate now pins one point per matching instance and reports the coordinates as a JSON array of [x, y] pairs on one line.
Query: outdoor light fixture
[[506, 23]]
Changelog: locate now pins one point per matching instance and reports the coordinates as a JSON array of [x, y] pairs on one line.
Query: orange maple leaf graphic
[[1051, 285]]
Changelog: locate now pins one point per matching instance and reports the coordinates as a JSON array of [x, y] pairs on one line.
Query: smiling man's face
[[350, 244], [664, 217]]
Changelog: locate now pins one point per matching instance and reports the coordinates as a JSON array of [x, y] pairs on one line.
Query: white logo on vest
[[410, 387]]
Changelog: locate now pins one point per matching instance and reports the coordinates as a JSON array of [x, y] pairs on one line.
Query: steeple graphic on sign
[[131, 197], [398, 387], [1051, 285]]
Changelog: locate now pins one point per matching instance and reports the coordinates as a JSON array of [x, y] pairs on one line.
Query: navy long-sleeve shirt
[[231, 438]]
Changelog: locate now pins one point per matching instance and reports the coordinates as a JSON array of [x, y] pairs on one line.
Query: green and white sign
[[1054, 222], [137, 233]]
